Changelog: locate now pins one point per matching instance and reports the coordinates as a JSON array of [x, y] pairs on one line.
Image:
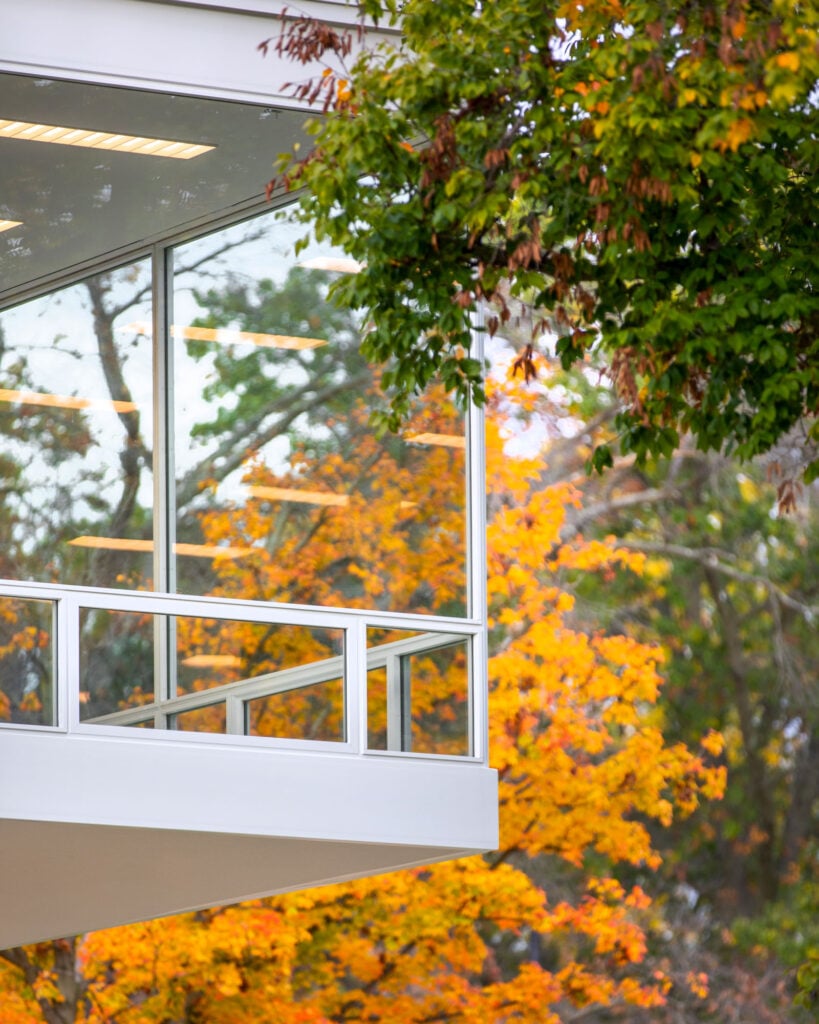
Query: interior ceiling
[[79, 204]]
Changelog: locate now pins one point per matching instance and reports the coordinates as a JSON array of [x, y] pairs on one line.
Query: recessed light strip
[[326, 498], [443, 440], [63, 401], [147, 546], [89, 139], [213, 661], [228, 336]]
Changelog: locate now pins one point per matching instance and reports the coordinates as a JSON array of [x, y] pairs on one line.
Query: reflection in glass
[[274, 452], [246, 678], [76, 420], [117, 661], [26, 662], [211, 718], [301, 713], [418, 692]]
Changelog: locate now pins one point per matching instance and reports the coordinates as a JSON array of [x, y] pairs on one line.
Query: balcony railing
[[136, 664]]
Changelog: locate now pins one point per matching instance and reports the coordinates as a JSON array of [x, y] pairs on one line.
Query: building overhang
[[100, 831], [103, 824]]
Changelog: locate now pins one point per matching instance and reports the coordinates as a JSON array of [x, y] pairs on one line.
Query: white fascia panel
[[190, 48], [96, 832], [162, 784]]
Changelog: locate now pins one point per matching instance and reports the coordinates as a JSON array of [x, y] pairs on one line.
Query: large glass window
[[277, 488], [224, 449], [76, 487], [275, 460]]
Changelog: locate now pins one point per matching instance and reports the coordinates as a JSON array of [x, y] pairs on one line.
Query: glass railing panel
[[312, 712], [27, 693], [212, 718], [118, 654], [418, 692], [184, 672], [377, 708], [76, 420], [276, 462]]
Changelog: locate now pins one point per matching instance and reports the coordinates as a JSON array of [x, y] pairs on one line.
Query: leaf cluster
[[645, 174]]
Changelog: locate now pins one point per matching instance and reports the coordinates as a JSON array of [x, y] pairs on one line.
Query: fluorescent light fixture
[[64, 401], [304, 497], [113, 141], [6, 224], [227, 336], [147, 546], [444, 440], [212, 661], [340, 264]]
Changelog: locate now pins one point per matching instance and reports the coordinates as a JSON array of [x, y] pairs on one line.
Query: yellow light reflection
[[444, 440], [305, 497], [147, 546], [212, 661], [64, 401], [88, 139], [228, 336], [6, 224]]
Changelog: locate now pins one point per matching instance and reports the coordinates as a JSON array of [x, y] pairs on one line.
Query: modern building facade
[[242, 639]]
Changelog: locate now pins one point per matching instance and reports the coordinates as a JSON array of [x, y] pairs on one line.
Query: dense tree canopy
[[644, 174], [585, 777]]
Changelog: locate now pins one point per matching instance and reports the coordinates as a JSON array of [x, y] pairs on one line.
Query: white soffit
[[197, 48]]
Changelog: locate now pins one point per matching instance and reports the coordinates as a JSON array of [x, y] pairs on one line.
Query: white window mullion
[[164, 472]]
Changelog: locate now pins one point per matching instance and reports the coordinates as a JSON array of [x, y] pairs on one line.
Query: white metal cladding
[[196, 48]]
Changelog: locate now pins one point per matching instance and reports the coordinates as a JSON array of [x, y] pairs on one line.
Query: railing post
[[355, 684], [68, 661]]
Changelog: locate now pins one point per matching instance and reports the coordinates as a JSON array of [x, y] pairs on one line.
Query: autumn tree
[[726, 589], [544, 929], [644, 174]]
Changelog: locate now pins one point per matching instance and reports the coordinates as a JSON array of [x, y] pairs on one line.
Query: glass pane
[[281, 680], [117, 655], [377, 708], [418, 692], [76, 419], [314, 712], [288, 678], [277, 469], [26, 662], [208, 719]]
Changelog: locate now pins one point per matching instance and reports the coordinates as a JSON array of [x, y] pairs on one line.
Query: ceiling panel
[[77, 205]]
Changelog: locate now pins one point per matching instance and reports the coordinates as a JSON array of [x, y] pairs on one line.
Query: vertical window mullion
[[164, 472], [476, 557]]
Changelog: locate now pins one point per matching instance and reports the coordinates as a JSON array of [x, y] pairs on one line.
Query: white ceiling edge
[[200, 48]]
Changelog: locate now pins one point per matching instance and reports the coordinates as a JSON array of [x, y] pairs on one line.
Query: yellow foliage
[[583, 770]]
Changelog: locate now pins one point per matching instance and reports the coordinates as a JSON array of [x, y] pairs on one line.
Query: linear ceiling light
[[304, 497], [212, 661], [89, 139], [227, 336], [64, 401], [340, 264], [445, 440], [147, 546], [6, 224]]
